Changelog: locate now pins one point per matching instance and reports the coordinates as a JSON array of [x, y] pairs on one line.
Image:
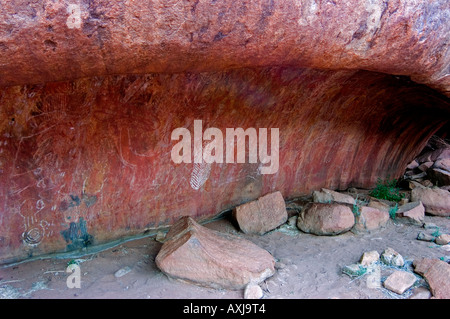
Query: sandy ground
[[310, 267]]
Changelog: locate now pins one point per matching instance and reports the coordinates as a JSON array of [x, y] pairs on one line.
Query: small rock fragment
[[414, 164], [160, 237], [369, 258], [425, 237], [392, 258], [430, 226], [354, 270], [253, 291], [443, 239], [122, 272], [292, 221]]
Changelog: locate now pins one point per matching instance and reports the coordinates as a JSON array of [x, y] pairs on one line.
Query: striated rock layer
[[91, 92]]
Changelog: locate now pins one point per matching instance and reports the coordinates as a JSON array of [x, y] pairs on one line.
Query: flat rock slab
[[399, 281], [326, 219], [261, 215], [437, 274], [196, 254]]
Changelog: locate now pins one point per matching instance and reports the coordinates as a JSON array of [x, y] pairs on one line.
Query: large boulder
[[196, 254], [325, 219], [435, 200], [261, 215]]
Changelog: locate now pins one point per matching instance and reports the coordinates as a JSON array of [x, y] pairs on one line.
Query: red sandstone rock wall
[[88, 161], [85, 145], [43, 41]]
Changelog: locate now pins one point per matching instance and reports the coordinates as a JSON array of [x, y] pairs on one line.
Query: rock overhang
[[90, 94]]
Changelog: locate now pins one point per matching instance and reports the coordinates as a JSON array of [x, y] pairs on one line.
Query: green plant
[[436, 233], [355, 210], [387, 190], [72, 262], [393, 211]]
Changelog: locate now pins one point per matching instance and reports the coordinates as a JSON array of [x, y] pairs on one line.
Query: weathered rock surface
[[54, 41], [413, 213], [196, 254], [370, 219], [354, 270], [326, 219], [392, 258], [422, 265], [436, 201], [435, 155], [425, 237], [261, 215], [378, 205], [328, 196], [437, 275], [443, 164], [399, 281], [369, 257], [442, 239]]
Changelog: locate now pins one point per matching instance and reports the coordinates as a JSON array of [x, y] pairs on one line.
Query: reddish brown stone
[[328, 196], [196, 254], [370, 219], [262, 215], [437, 275], [54, 41], [413, 213], [399, 281], [436, 201], [325, 219], [422, 265]]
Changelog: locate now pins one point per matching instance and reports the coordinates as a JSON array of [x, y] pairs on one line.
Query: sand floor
[[310, 267]]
